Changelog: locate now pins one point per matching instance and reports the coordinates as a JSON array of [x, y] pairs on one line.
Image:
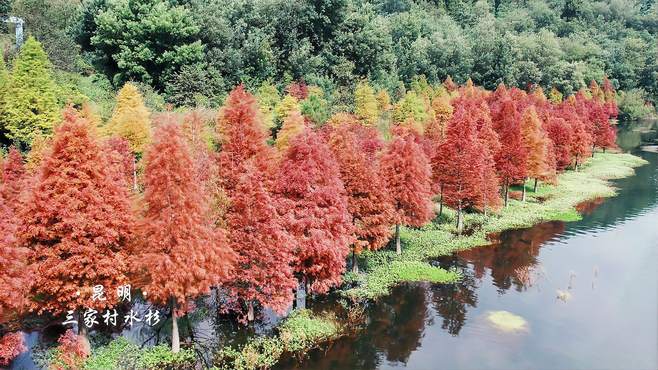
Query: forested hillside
[[192, 52]]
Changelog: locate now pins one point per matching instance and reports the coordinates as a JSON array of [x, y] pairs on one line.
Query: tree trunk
[[134, 173], [523, 190], [355, 263], [506, 192], [175, 337], [441, 201], [534, 188], [250, 311], [83, 334], [575, 166], [460, 220], [301, 295], [398, 247]]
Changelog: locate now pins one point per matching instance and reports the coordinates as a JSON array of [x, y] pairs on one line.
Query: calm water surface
[[603, 268]]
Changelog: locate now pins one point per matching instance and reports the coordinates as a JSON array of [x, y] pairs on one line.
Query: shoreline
[[381, 270]]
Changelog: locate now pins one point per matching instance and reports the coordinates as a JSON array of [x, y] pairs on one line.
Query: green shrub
[[632, 105]]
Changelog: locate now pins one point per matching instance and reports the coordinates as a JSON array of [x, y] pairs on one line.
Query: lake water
[[586, 292]]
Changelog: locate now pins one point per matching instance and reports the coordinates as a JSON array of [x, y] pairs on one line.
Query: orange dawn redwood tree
[[181, 253], [242, 137], [120, 160], [537, 147], [76, 223], [13, 178], [314, 205], [367, 199], [264, 272], [14, 275], [406, 172]]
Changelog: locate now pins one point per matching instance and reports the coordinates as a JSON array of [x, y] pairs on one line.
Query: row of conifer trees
[[177, 203]]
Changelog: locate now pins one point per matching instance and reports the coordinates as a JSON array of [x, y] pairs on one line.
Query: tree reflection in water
[[511, 262]]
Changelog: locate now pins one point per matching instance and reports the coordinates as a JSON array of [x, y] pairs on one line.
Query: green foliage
[[195, 85], [335, 44], [99, 92], [50, 22], [301, 331], [633, 105], [145, 40], [30, 104], [411, 107], [315, 107], [121, 354]]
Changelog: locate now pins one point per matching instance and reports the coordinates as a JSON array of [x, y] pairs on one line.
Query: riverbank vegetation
[[257, 198], [551, 202]]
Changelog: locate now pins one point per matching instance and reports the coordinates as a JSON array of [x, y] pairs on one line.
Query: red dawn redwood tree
[[581, 139], [367, 200], [77, 223], [511, 159], [461, 165], [559, 132], [181, 252], [11, 345], [406, 173], [314, 205], [604, 134], [610, 98], [487, 136], [298, 89], [256, 234]]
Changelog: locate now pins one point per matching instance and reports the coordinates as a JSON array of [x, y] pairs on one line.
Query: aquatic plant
[[507, 321]]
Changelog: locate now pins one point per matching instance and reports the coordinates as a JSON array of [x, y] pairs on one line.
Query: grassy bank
[[299, 333], [384, 269]]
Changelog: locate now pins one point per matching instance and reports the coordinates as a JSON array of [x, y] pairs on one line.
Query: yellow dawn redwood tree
[[284, 107], [268, 98], [293, 125], [131, 119], [365, 104], [30, 105]]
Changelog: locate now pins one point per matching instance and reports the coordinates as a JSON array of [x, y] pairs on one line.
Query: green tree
[[30, 103], [145, 40], [194, 85], [315, 106], [50, 21]]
